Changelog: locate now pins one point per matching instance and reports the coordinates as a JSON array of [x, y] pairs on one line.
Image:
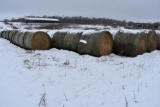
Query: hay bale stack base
[[96, 44], [151, 41], [128, 44]]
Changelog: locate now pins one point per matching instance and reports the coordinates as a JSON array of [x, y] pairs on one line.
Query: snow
[[61, 78], [83, 41], [44, 19]]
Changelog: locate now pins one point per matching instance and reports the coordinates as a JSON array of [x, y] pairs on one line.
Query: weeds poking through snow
[[27, 63], [29, 51], [42, 102], [65, 96], [66, 63], [126, 101]]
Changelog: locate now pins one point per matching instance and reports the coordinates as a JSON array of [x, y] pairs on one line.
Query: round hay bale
[[11, 34], [96, 44], [151, 41], [5, 34], [71, 41], [128, 44], [21, 40], [37, 41], [58, 40], [158, 41], [16, 38], [1, 34]]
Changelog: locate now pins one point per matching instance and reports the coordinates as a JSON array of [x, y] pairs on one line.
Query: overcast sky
[[129, 10]]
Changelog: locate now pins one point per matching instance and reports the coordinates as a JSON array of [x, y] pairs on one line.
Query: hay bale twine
[[37, 41], [151, 41], [58, 40], [128, 44], [158, 41], [71, 41], [96, 44]]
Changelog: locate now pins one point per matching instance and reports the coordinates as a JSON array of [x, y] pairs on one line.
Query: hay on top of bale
[[96, 44], [129, 44], [151, 41]]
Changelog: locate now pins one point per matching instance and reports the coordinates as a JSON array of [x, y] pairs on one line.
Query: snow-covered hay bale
[[158, 41], [96, 44], [37, 41], [58, 40], [71, 41], [151, 41], [128, 44]]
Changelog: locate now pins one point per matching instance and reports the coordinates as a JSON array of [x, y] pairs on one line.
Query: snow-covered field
[[60, 78]]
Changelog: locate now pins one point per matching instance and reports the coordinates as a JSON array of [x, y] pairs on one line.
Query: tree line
[[84, 20], [76, 20]]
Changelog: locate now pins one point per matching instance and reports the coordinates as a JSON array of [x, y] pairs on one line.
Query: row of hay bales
[[95, 44], [129, 44], [102, 43], [28, 40]]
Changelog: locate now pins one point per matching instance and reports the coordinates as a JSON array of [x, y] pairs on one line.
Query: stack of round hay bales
[[158, 41], [67, 41], [96, 44], [151, 41], [28, 40], [129, 44]]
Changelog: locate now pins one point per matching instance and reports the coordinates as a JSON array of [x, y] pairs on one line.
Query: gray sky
[[129, 10]]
